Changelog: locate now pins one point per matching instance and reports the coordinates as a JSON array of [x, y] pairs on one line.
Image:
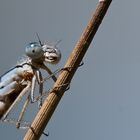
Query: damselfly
[[19, 80]]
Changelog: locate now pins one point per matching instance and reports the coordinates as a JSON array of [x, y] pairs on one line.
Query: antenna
[[39, 39]]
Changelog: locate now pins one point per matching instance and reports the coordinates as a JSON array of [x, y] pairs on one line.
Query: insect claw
[[46, 134], [81, 64], [17, 125]]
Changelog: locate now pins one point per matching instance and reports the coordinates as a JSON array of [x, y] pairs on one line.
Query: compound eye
[[34, 50]]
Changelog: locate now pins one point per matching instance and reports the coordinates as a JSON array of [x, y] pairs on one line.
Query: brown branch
[[51, 102]]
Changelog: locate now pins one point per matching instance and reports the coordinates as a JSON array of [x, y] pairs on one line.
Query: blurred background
[[103, 102]]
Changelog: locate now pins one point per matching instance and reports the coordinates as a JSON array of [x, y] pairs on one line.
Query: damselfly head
[[34, 50]]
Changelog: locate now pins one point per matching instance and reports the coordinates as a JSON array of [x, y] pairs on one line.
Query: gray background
[[104, 100]]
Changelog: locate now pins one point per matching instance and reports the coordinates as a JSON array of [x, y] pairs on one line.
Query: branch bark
[[42, 118]]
